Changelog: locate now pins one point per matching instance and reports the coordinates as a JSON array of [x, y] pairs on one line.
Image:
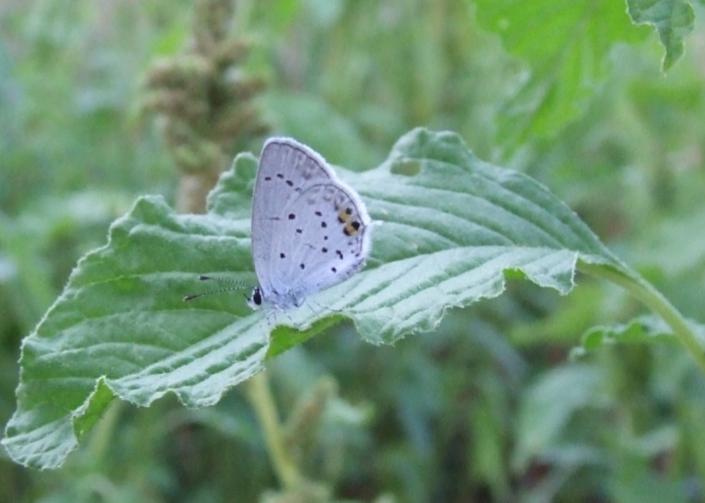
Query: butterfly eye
[[257, 297]]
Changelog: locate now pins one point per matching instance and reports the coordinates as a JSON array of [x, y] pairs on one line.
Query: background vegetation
[[488, 407]]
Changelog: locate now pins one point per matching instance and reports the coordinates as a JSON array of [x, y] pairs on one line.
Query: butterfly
[[310, 230]]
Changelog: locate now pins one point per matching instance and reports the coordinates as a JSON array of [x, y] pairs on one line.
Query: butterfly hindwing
[[325, 243]]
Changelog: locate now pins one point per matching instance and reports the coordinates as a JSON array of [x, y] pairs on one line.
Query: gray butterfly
[[310, 231]]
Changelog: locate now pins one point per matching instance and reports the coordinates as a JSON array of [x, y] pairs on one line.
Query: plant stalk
[[646, 293], [104, 431], [260, 396]]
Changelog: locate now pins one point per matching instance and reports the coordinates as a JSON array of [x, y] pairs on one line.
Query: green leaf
[[566, 47], [642, 330], [547, 406], [672, 19], [447, 228], [665, 238]]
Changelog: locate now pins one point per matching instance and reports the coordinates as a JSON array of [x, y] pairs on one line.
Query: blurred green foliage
[[489, 406]]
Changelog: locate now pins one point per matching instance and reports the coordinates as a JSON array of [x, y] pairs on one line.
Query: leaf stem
[[104, 431], [645, 292], [260, 396]]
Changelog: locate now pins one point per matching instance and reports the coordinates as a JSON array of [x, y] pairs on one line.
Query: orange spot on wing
[[350, 229], [343, 217]]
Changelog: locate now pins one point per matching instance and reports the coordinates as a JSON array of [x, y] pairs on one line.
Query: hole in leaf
[[406, 167]]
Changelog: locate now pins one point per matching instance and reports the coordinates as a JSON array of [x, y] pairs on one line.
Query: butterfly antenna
[[232, 286]]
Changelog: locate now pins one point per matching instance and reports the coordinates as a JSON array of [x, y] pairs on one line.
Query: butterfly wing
[[309, 230], [330, 245], [286, 168]]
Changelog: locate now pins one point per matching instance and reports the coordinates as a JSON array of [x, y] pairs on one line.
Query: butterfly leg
[[270, 315]]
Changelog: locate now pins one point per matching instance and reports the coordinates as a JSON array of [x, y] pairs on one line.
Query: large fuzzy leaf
[[447, 227]]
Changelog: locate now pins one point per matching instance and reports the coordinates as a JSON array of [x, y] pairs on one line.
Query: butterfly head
[[255, 298]]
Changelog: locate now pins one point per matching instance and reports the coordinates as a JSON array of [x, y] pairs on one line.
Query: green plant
[[450, 227], [495, 403]]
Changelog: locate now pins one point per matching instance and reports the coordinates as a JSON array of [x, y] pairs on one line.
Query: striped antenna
[[233, 286]]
